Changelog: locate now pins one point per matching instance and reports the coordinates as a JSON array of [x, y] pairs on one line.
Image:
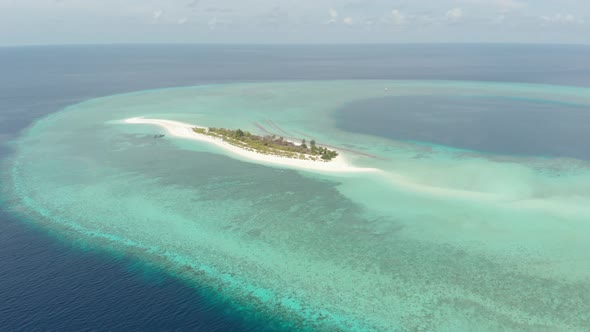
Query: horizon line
[[289, 44]]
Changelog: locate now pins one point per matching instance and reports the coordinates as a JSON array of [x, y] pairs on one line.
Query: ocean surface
[[478, 219], [513, 126]]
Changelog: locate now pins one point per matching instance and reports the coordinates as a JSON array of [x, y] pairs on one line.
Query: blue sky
[[293, 21]]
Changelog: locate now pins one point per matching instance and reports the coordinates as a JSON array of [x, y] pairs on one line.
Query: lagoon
[[444, 237]]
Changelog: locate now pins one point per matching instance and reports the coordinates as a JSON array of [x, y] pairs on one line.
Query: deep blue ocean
[[48, 283]]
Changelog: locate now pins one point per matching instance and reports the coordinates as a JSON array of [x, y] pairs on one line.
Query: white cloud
[[193, 4], [216, 22], [398, 17], [182, 21], [333, 16], [500, 19], [348, 21], [455, 14], [560, 18], [212, 23], [502, 5], [157, 14]]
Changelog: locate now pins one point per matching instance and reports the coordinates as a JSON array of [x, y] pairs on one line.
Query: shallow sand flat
[[336, 165]]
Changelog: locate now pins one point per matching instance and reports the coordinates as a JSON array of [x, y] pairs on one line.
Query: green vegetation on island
[[270, 144]]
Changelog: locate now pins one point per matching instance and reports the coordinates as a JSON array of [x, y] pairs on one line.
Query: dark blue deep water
[[499, 125], [53, 284]]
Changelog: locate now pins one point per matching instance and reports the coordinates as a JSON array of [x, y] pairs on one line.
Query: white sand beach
[[185, 130]]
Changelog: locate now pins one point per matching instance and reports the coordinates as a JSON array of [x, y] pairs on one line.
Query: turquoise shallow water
[[441, 239]]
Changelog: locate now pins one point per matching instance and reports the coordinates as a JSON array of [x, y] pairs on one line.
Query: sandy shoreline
[[185, 130]]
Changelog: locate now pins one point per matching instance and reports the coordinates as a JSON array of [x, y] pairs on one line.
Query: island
[[268, 150], [270, 144]]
